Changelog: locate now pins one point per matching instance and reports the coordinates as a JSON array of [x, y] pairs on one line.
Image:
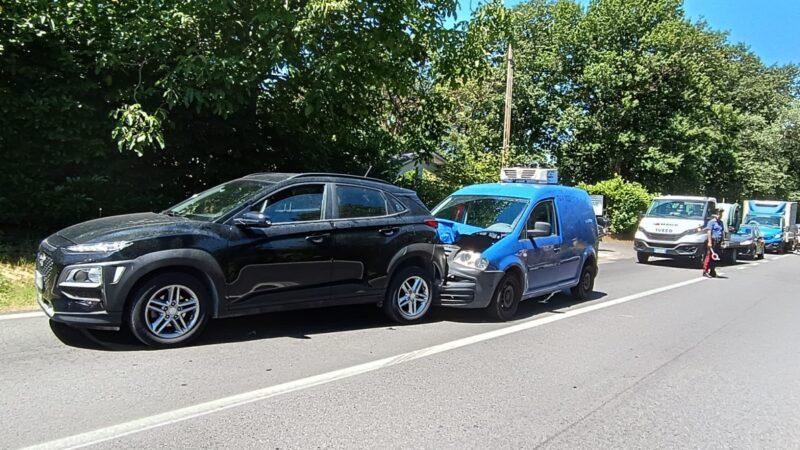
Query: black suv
[[265, 242]]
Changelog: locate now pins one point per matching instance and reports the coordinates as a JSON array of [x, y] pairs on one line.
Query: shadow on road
[[302, 324], [688, 264]]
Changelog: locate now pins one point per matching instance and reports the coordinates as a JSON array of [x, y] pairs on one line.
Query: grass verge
[[17, 292]]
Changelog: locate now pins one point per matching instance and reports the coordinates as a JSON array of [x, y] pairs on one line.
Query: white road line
[[27, 315], [170, 417]]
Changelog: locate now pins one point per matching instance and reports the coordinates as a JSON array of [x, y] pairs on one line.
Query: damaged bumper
[[469, 288]]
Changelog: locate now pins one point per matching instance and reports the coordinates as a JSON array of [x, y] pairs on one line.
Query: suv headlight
[[103, 247], [471, 259], [84, 277]]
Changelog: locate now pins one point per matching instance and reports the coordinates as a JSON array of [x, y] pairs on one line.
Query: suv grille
[[44, 264]]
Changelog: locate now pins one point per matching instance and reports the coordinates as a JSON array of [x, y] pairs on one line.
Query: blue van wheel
[[505, 301], [583, 291]]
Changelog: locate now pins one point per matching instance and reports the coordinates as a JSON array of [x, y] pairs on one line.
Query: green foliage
[[430, 188], [624, 201], [112, 107]]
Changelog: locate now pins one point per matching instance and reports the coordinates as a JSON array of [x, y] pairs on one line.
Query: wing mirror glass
[[540, 229], [252, 219]]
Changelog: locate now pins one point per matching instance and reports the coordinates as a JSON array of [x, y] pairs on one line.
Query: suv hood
[[128, 227]]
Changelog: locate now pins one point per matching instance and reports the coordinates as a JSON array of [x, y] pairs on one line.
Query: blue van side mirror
[[540, 229]]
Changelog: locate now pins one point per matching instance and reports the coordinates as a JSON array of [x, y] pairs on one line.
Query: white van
[[674, 227]]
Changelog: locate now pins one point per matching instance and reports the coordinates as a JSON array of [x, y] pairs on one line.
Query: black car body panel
[[288, 265]]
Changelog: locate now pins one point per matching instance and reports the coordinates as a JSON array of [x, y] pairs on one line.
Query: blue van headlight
[[471, 259]]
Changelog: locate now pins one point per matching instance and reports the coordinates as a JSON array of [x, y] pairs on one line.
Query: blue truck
[[777, 221], [523, 237]]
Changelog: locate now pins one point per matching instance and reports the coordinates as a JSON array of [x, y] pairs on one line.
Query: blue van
[[510, 241]]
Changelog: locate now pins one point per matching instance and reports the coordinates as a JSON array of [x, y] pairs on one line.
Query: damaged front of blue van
[[506, 242]]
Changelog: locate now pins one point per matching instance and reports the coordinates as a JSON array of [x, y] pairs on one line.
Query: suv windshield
[[687, 209], [774, 221], [218, 201], [491, 213]]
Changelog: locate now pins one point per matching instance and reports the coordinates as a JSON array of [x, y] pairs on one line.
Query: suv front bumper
[[73, 304]]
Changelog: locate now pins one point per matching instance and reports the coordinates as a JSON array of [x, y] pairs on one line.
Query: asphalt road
[[661, 358]]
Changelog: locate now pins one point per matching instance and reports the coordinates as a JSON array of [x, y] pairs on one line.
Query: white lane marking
[[26, 315], [178, 415]]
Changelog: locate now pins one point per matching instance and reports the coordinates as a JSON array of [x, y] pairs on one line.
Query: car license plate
[[661, 251], [38, 281]]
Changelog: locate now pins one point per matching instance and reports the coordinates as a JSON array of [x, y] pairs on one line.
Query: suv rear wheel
[[169, 310], [410, 295]]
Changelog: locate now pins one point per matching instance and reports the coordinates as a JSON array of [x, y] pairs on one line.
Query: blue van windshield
[[498, 214]]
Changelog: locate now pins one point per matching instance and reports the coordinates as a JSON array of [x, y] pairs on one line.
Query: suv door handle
[[388, 231], [317, 238]]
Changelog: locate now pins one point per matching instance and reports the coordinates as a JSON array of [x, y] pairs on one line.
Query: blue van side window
[[544, 211]]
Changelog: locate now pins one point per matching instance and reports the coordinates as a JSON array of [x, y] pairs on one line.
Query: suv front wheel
[[409, 296], [169, 310]]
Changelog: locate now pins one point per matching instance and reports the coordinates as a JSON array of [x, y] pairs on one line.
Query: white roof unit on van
[[528, 175]]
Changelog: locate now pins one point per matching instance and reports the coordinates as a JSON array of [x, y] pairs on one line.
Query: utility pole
[[507, 118]]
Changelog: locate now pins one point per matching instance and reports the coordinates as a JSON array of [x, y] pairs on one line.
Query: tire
[[410, 295], [732, 256], [583, 291], [506, 298], [173, 293], [643, 258]]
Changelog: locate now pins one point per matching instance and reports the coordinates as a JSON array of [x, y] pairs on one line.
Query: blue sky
[[771, 28]]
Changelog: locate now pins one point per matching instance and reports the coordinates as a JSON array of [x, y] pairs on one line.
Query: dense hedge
[[623, 202]]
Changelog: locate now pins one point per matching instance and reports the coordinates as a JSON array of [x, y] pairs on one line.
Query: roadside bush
[[431, 189], [623, 202]]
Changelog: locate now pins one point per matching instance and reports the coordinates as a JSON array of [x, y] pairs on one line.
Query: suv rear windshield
[[491, 213], [218, 201]]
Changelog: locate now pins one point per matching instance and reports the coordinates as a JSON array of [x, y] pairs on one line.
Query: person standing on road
[[714, 230]]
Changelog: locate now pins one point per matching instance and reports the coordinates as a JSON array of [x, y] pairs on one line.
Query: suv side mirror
[[252, 219], [540, 229]]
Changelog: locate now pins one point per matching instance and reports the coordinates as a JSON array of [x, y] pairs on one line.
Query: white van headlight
[[471, 259]]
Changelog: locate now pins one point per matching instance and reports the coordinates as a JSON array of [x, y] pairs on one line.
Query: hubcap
[[172, 311], [413, 297], [587, 281], [507, 296]]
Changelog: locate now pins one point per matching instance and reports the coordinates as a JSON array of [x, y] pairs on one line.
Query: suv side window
[[544, 212], [295, 204], [355, 202]]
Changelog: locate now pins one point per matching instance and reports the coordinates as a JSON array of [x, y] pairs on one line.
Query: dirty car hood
[[126, 227]]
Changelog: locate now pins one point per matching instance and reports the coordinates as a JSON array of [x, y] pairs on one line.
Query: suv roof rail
[[340, 175]]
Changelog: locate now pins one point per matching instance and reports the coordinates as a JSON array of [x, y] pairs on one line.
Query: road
[[660, 358]]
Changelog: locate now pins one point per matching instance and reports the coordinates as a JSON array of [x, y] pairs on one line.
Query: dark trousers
[[709, 264]]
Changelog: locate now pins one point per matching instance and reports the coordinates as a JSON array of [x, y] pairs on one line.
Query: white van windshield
[[685, 209]]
